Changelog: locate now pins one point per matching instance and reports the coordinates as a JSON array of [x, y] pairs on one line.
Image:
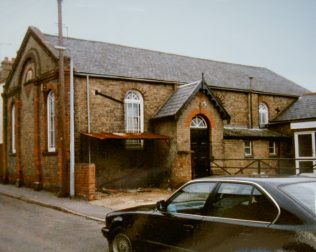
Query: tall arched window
[[51, 134], [263, 115], [13, 148], [134, 112], [134, 118]]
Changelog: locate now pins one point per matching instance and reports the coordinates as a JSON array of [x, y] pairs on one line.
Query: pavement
[[94, 210]]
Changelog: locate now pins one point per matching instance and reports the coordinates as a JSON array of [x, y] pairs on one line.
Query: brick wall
[[108, 115], [200, 104], [115, 165], [33, 161], [85, 180], [1, 163]]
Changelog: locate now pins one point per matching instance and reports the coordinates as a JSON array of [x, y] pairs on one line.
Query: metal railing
[[286, 166]]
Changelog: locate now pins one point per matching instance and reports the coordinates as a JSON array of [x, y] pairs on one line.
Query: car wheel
[[121, 243]]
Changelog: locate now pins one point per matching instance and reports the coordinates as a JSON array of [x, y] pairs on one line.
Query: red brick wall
[[85, 180]]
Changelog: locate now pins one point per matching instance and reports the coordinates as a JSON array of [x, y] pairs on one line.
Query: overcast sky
[[276, 34]]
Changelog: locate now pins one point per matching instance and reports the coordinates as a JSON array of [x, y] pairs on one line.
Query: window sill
[[12, 154], [29, 82], [49, 153]]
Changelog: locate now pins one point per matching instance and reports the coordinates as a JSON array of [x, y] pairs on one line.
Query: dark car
[[222, 214]]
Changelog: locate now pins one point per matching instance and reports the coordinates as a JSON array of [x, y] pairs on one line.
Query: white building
[[302, 118]]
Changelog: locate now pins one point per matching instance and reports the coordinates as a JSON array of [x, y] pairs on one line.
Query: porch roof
[[183, 95], [121, 135], [302, 109]]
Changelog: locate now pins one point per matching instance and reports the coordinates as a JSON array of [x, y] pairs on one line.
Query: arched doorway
[[200, 147]]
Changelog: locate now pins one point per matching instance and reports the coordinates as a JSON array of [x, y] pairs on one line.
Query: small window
[[29, 75], [191, 199], [263, 115], [272, 148], [13, 148], [51, 122], [248, 148], [242, 201]]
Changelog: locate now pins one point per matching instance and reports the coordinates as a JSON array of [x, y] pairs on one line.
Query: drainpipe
[[61, 107], [5, 136], [250, 120], [72, 133], [88, 113]]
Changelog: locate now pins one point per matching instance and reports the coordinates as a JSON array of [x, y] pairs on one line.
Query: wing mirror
[[161, 205]]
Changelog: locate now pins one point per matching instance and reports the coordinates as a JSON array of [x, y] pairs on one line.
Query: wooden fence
[[272, 166]]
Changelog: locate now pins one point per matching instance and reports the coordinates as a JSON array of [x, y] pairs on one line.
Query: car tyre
[[121, 242]]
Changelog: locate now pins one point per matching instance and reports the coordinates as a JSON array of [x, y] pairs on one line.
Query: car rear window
[[242, 201], [304, 193]]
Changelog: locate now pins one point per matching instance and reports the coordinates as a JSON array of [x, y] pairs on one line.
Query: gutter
[[116, 77]]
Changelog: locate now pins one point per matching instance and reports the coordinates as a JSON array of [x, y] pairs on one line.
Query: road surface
[[29, 227]]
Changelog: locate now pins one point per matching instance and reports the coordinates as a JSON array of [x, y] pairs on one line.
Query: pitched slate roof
[[121, 61], [183, 95], [243, 133], [177, 100], [303, 109]]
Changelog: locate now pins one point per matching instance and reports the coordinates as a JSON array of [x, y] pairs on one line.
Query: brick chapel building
[[143, 118]]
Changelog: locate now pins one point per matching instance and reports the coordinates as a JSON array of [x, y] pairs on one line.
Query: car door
[[238, 218], [172, 228]]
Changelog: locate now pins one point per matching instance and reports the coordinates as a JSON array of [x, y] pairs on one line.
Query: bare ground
[[120, 199]]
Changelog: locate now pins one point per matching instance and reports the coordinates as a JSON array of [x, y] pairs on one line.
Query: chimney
[[5, 69]]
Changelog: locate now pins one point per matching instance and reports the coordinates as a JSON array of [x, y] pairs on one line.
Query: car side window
[[242, 201], [191, 198]]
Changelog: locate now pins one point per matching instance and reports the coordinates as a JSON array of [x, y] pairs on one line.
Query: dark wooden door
[[200, 153]]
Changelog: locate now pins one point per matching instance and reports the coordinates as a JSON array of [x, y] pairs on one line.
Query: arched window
[[29, 75], [51, 134], [13, 148], [134, 118], [263, 115], [198, 122], [134, 112]]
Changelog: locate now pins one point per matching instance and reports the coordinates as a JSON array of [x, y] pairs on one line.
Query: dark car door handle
[[188, 227]]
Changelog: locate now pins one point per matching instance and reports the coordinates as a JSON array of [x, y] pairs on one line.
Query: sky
[[277, 34]]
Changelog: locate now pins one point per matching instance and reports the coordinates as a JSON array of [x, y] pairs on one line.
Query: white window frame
[[134, 123], [304, 158], [273, 148], [135, 99], [248, 148], [51, 132], [29, 75], [263, 114], [13, 135], [198, 122]]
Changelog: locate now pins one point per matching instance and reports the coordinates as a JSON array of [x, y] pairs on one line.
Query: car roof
[[262, 179]]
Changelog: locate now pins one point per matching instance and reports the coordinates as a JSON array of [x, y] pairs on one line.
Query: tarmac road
[[29, 227]]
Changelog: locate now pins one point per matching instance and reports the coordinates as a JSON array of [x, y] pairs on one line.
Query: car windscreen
[[304, 193]]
